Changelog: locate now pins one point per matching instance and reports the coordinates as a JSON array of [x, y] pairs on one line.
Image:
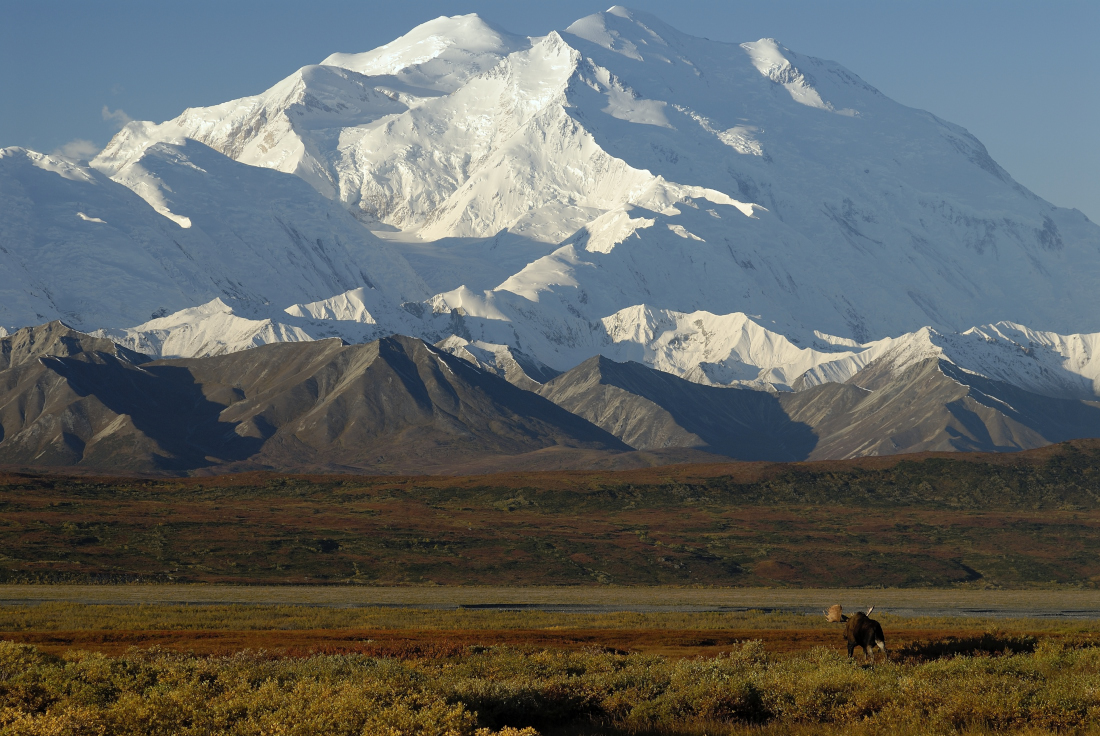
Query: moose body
[[861, 631]]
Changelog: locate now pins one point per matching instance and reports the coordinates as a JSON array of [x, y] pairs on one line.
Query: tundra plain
[[70, 668], [980, 520], [670, 600]]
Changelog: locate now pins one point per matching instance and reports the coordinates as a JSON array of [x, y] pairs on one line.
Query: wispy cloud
[[118, 117], [78, 150]]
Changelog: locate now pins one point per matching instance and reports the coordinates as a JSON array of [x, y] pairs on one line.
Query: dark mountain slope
[[393, 403], [73, 400], [930, 406], [934, 406], [48, 413], [400, 405], [650, 409]]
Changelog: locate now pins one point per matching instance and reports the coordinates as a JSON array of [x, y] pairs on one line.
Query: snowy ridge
[[1066, 365], [275, 130], [210, 329], [718, 350], [738, 215], [439, 55], [1045, 363], [88, 250], [508, 363], [869, 219], [770, 59]]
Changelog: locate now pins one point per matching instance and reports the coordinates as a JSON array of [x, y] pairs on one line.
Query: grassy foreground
[[308, 670], [505, 691]]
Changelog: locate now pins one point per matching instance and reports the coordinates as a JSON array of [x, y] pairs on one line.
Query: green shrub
[[499, 690]]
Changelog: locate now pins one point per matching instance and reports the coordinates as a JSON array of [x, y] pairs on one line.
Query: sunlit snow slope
[[662, 170], [78, 246], [732, 214]]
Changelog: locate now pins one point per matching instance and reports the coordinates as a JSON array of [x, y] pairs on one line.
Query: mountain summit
[[620, 162], [734, 214]]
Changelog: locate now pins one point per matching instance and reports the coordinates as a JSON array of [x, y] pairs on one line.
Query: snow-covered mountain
[[657, 169], [77, 246], [729, 350], [737, 215]]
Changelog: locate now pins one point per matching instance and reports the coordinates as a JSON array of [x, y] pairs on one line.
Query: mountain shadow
[[67, 398], [393, 405], [933, 406], [165, 404], [649, 409], [1050, 418]]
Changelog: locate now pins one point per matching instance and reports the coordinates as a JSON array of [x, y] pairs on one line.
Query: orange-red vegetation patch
[[916, 520], [432, 643]]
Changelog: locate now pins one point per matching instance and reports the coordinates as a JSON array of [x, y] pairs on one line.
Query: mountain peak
[[628, 32], [15, 156], [597, 177], [440, 54], [56, 339], [771, 59]]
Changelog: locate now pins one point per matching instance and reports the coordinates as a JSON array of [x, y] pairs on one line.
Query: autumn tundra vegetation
[[1009, 520], [502, 690], [83, 669], [942, 526]]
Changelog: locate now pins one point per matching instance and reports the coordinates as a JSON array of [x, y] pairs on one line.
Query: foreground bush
[[503, 691]]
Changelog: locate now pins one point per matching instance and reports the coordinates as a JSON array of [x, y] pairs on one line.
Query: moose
[[861, 630]]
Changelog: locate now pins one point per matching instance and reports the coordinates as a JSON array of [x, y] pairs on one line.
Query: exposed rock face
[[50, 416], [649, 409], [784, 263], [930, 405], [395, 404]]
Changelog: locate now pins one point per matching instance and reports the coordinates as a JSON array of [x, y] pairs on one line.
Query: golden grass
[[1031, 676], [1053, 689]]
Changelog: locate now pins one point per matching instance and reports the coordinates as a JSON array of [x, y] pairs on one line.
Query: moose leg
[[851, 649], [869, 652]]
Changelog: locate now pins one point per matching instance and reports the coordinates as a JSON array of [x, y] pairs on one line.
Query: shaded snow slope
[[733, 214], [687, 175], [60, 219], [80, 247]]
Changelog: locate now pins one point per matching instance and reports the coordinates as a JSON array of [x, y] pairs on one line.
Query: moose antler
[[869, 610], [834, 615]]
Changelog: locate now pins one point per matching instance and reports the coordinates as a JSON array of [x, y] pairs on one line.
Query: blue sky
[[1022, 76]]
